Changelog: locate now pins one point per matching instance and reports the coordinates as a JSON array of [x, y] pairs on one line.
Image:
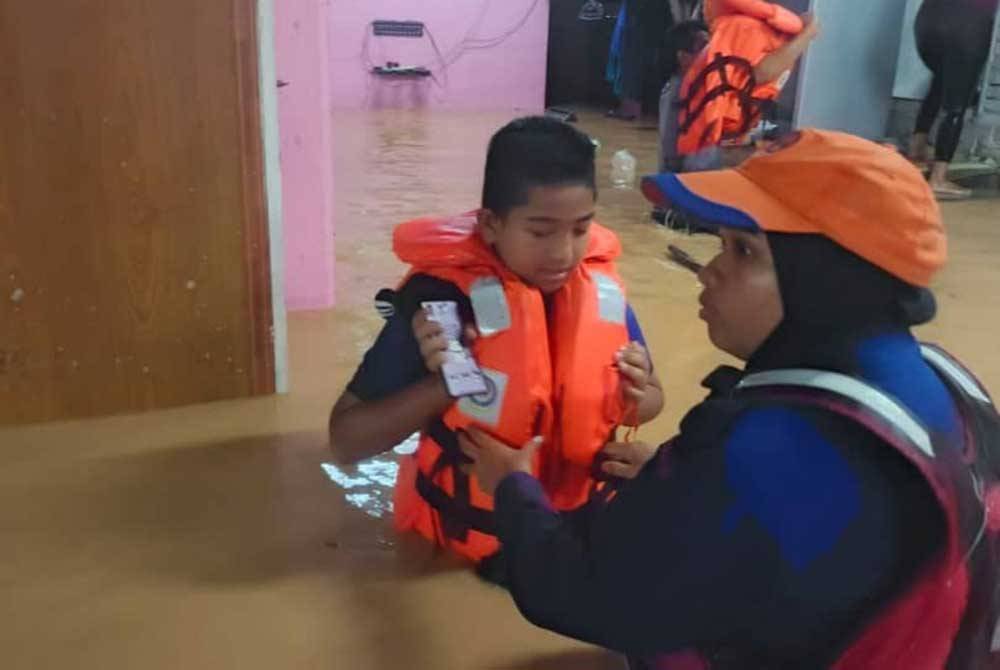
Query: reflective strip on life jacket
[[866, 395]]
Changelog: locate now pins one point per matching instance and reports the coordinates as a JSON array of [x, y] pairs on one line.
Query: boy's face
[[543, 240], [741, 301]]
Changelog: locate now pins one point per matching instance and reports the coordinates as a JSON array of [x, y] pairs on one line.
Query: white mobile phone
[[462, 374]]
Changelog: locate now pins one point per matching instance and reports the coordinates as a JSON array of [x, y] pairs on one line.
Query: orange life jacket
[[720, 99], [550, 373]]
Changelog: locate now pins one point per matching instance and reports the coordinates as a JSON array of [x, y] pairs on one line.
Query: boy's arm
[[396, 390], [359, 429], [784, 59]]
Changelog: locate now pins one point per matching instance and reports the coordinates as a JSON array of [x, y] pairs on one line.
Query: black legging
[[953, 38]]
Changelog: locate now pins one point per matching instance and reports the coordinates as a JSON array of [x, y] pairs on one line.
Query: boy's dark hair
[[686, 37], [535, 151]]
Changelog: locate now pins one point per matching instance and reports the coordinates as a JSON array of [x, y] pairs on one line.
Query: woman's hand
[[626, 459], [492, 460]]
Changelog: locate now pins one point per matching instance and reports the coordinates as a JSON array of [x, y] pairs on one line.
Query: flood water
[[213, 537]]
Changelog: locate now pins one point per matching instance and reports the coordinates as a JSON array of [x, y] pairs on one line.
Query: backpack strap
[[850, 397], [953, 371]]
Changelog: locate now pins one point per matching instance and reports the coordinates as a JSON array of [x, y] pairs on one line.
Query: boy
[[685, 40], [752, 48], [561, 352]]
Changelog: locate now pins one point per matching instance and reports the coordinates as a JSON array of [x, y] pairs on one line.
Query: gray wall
[[848, 73], [989, 103], [913, 79], [786, 101]]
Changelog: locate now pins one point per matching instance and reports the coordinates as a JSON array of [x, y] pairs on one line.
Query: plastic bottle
[[623, 166]]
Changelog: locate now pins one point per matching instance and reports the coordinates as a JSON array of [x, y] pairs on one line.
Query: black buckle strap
[[457, 519], [750, 107], [458, 515]]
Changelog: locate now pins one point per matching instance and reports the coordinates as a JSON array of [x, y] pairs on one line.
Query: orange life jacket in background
[[720, 99], [551, 372]]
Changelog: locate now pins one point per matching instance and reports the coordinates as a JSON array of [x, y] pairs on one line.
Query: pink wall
[[301, 59], [510, 75]]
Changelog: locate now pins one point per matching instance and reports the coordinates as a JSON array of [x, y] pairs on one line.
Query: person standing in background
[[953, 40]]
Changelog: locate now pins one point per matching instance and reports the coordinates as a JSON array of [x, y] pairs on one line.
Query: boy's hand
[[432, 341], [492, 460], [635, 366]]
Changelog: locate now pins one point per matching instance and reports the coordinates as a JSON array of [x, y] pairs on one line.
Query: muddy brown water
[[211, 537]]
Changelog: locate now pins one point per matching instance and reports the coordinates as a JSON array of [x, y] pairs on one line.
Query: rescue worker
[[832, 504], [534, 278]]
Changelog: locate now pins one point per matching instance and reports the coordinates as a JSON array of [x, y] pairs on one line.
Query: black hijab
[[832, 301]]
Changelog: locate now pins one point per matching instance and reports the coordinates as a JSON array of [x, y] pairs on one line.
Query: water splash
[[368, 485], [341, 478]]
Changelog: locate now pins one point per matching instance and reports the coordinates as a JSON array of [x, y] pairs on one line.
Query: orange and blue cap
[[864, 196]]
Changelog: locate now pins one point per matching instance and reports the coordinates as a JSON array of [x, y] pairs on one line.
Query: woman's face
[[741, 300]]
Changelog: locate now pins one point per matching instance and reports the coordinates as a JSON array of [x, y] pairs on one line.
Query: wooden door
[[133, 239]]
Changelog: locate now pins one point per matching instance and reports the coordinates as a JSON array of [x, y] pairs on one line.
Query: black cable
[[487, 43], [467, 43]]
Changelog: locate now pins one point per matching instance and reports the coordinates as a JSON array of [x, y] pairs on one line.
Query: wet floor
[[212, 537]]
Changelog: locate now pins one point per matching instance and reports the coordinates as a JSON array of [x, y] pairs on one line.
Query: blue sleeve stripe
[[634, 329]]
